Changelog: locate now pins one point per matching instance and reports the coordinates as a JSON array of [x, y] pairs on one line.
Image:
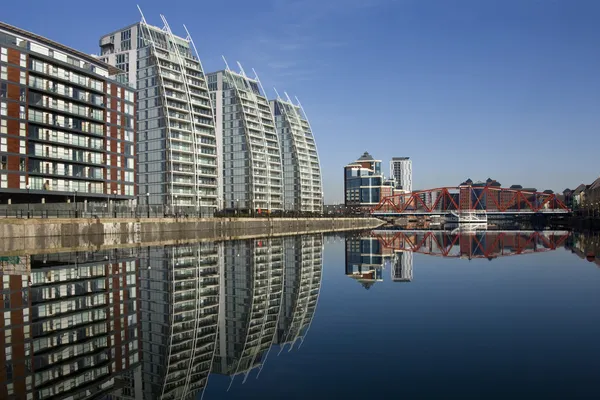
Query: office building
[[70, 326], [401, 171], [66, 126], [364, 184], [302, 185], [250, 301], [302, 284], [177, 149], [249, 154]]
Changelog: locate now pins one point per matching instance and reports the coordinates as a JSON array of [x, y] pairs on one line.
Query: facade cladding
[[401, 171], [364, 184], [251, 294], [70, 326], [177, 149], [66, 127], [250, 158], [303, 189]]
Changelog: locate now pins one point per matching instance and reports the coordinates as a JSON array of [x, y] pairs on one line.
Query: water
[[374, 314]]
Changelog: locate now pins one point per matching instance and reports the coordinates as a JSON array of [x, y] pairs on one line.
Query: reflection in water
[[367, 255], [70, 326], [152, 322], [251, 291]]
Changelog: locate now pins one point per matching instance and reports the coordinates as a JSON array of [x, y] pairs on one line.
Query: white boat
[[467, 217]]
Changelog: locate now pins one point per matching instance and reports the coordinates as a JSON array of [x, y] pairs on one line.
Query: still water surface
[[383, 314]]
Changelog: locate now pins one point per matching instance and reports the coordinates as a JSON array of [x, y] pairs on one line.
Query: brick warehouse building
[[66, 127]]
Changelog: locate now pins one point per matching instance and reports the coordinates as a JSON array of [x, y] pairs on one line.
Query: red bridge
[[484, 199], [470, 244]]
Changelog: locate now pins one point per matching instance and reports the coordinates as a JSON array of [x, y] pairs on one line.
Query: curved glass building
[[251, 178], [303, 189], [177, 150]]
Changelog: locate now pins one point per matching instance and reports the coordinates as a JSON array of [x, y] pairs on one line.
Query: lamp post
[[28, 199], [237, 204], [75, 201], [148, 203]]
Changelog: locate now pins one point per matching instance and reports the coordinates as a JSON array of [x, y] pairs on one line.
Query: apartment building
[[249, 153], [177, 148], [66, 124], [302, 184]]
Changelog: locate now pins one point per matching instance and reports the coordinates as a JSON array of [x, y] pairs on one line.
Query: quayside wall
[[42, 235]]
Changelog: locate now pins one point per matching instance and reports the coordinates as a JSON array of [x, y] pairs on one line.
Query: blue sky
[[508, 89]]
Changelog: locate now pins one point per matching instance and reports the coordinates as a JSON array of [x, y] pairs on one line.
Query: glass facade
[[177, 148], [301, 168], [250, 156], [364, 184]]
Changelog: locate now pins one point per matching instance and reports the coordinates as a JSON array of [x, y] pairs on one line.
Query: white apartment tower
[[177, 148], [249, 156], [302, 184], [401, 171]]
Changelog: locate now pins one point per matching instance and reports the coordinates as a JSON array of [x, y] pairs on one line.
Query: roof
[[516, 187], [595, 185], [567, 190], [56, 45], [366, 157], [579, 189], [400, 158]]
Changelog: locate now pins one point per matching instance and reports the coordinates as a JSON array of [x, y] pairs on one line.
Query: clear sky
[[507, 89]]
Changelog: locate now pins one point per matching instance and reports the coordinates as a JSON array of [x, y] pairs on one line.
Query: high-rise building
[[249, 154], [177, 149], [70, 326], [302, 184], [66, 126], [401, 171], [364, 184]]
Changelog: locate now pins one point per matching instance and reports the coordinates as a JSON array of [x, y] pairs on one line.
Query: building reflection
[[179, 303], [365, 260], [585, 246], [369, 254], [153, 322], [251, 290], [269, 293], [302, 285], [70, 326]]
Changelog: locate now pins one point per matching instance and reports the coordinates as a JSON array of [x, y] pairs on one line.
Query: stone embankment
[[39, 235]]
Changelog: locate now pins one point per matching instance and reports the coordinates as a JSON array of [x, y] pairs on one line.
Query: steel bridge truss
[[489, 199]]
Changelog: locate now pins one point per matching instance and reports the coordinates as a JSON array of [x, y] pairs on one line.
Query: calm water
[[379, 314]]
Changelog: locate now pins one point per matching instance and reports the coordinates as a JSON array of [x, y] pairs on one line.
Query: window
[[3, 162], [3, 90]]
